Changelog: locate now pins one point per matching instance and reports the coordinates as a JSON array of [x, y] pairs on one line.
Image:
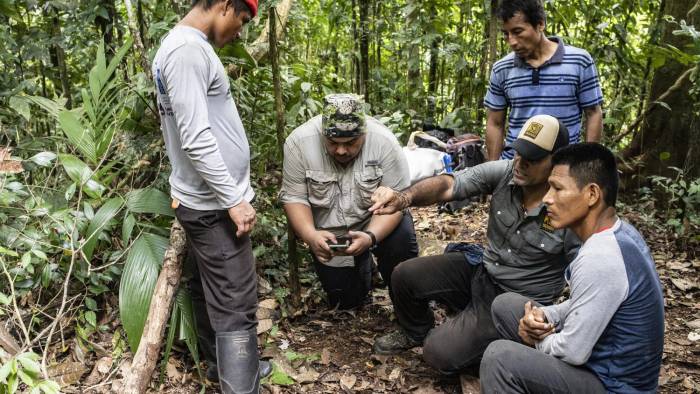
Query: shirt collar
[[517, 191], [557, 58]]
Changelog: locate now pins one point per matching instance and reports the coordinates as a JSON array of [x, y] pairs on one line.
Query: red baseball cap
[[253, 5]]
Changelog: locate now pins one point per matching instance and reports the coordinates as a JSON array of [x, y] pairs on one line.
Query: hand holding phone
[[343, 242]]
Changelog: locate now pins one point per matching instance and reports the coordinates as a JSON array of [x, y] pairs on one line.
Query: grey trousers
[[466, 289], [509, 366], [224, 282]]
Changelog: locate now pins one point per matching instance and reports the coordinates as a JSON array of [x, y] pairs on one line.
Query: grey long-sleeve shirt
[[614, 321], [203, 133]]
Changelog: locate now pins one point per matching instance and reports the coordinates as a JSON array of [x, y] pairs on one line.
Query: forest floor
[[326, 351]]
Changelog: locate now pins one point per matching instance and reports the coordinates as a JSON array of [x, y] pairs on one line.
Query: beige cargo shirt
[[340, 196]]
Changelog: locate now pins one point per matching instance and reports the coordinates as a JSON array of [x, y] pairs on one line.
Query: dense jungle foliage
[[84, 207]]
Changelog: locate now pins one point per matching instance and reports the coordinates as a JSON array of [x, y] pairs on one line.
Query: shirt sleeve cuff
[[287, 199], [552, 315]]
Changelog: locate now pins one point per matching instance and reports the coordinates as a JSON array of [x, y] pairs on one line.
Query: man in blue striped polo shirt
[[542, 76]]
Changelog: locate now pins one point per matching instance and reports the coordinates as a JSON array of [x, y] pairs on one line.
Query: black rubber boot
[[265, 369], [237, 361]]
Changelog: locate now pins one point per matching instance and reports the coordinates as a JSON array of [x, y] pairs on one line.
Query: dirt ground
[[327, 351]]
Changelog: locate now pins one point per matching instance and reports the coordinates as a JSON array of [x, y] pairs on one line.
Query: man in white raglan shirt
[[210, 185]]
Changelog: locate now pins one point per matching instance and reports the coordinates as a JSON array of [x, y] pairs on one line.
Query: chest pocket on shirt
[[545, 243], [322, 188], [367, 182], [501, 219]]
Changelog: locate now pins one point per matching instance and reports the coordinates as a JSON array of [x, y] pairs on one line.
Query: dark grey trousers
[[466, 289], [224, 282], [509, 366], [348, 287]]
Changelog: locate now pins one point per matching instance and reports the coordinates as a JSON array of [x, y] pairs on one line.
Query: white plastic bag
[[424, 162]]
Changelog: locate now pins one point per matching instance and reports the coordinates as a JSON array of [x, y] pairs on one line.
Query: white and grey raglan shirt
[[614, 321], [204, 136]]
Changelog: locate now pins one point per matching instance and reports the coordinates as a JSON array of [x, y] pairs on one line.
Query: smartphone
[[343, 242]]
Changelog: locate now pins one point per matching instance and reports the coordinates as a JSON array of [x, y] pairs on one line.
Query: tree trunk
[[260, 47], [414, 83], [460, 76], [364, 50], [434, 50], [493, 34], [142, 24], [378, 48], [138, 376], [60, 57], [134, 28], [490, 54], [106, 27], [670, 138], [355, 49]]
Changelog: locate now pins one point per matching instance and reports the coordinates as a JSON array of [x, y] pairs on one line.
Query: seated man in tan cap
[[332, 165], [524, 254]]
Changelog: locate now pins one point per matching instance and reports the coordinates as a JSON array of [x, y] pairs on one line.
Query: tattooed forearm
[[429, 191]]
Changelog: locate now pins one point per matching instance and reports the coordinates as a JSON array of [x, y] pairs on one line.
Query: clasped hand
[[533, 326]]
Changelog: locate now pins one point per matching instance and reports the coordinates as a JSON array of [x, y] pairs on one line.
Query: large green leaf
[[51, 107], [182, 321], [77, 170], [8, 8], [237, 50], [188, 329], [80, 136], [107, 212], [174, 324], [149, 200], [137, 284]]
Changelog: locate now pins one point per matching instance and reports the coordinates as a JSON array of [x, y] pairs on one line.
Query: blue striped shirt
[[562, 87]]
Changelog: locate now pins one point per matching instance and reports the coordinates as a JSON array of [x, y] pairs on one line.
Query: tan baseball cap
[[541, 135]]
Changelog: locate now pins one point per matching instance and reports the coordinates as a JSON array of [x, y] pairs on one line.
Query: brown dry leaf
[[395, 374], [269, 303], [321, 323], [694, 336], [379, 358], [426, 390], [264, 325], [382, 372], [470, 384], [330, 378], [368, 341], [306, 375], [325, 356], [695, 324], [688, 383], [684, 284], [101, 368], [348, 381], [422, 225], [676, 265], [67, 373], [363, 385], [10, 167], [171, 369]]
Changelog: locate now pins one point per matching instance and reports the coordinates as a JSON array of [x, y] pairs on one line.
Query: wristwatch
[[373, 237]]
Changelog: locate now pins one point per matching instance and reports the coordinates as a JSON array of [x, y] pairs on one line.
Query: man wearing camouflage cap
[[332, 165]]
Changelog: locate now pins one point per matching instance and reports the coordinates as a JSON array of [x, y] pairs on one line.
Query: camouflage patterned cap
[[343, 116]]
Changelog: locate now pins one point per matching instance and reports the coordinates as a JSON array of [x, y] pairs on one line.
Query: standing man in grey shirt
[[210, 184], [332, 165], [524, 254]]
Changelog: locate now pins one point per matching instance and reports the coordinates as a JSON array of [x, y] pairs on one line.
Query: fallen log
[[138, 376]]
